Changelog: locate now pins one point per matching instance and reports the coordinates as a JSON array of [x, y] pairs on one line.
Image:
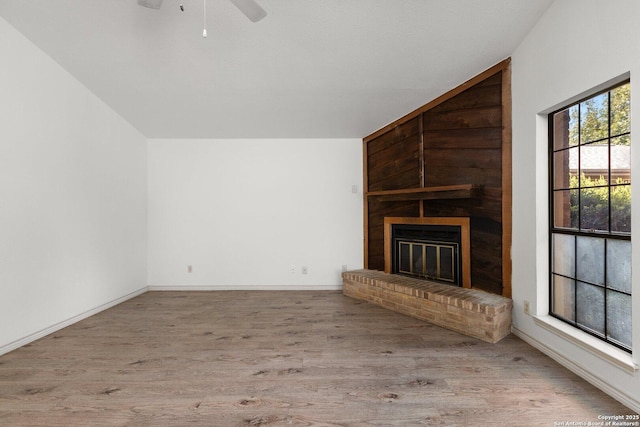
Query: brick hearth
[[468, 311]]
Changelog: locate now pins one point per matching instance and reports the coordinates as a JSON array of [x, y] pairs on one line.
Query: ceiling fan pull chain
[[204, 19]]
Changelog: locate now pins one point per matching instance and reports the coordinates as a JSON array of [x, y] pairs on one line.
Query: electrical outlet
[[345, 267], [189, 269], [304, 269], [526, 307], [292, 269]]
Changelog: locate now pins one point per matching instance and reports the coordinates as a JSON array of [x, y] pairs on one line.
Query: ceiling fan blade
[[151, 4], [251, 9]]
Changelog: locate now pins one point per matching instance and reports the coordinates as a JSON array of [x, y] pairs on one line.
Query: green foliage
[[593, 121], [589, 122], [594, 198], [621, 112]]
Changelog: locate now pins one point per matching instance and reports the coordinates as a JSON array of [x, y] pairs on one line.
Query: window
[[590, 218]]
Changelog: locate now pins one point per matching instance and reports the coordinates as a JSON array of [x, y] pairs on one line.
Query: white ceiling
[[310, 69]]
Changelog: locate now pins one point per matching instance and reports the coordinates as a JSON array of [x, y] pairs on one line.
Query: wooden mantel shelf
[[460, 191]]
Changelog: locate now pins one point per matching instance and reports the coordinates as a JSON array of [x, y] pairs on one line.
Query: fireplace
[[431, 248], [427, 251]]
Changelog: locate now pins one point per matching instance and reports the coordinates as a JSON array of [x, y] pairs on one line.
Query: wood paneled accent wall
[[449, 158]]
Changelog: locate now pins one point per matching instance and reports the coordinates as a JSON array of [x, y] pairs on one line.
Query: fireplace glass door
[[427, 252], [431, 260]]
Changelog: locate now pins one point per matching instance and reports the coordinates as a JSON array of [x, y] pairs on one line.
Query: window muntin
[[590, 215]]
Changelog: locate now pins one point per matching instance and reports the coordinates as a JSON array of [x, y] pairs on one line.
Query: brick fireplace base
[[468, 311]]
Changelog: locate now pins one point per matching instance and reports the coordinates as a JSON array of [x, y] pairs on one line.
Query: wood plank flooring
[[268, 358]]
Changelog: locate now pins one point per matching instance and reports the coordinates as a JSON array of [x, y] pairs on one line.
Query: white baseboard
[[60, 325], [245, 288], [617, 394]]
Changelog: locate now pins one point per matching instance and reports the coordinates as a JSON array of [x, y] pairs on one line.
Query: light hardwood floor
[[267, 358]]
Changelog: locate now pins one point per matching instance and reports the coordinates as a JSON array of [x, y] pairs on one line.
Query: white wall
[[577, 46], [241, 212], [72, 197]]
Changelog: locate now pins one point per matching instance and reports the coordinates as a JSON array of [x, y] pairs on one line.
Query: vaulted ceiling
[[309, 69]]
